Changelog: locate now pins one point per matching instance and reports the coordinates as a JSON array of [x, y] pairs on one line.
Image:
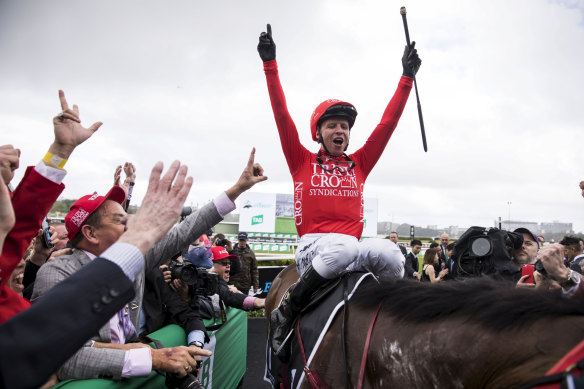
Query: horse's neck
[[454, 353]]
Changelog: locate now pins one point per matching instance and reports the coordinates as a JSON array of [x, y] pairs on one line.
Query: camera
[[539, 268], [485, 251], [221, 242], [200, 282]]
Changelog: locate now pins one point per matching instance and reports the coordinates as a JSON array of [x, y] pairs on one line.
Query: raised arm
[[369, 154], [293, 149]]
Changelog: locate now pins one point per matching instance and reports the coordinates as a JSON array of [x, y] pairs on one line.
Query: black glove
[[411, 60], [267, 47]]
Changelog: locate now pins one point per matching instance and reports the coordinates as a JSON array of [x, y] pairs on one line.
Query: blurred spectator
[[571, 249], [527, 253], [128, 185], [429, 274], [450, 261], [412, 266], [443, 255], [394, 237], [248, 276]]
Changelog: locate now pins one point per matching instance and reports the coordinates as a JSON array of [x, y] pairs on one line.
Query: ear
[[89, 234]]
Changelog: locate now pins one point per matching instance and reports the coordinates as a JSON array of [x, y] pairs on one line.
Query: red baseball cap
[[219, 252], [86, 205]]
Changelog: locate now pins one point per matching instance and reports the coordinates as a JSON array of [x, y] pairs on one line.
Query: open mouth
[[338, 141]]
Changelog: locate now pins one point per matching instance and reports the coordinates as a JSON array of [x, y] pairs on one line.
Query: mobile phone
[[527, 270], [46, 234]]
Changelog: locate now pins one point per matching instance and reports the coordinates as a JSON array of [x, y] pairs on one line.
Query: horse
[[476, 333]]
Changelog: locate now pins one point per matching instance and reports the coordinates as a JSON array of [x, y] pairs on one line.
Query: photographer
[[222, 267], [221, 240], [161, 306]]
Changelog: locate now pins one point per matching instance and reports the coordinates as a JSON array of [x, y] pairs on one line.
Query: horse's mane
[[495, 304]]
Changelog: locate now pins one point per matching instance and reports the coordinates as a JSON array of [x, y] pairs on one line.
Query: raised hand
[[117, 175], [266, 45], [9, 160], [160, 208], [69, 133], [130, 172], [251, 175], [410, 61]]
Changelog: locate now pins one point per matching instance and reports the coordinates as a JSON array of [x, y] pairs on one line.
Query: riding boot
[[296, 298]]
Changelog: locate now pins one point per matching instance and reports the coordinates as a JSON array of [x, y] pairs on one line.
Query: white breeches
[[330, 254]]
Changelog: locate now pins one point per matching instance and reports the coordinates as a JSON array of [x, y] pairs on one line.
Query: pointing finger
[[269, 28], [251, 158], [63, 101]]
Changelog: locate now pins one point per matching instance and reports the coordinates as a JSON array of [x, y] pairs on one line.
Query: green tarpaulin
[[222, 370]]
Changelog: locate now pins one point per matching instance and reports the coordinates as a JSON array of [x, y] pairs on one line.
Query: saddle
[[313, 323]]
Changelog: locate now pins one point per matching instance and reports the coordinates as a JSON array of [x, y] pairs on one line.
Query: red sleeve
[[294, 152], [32, 200], [368, 155]]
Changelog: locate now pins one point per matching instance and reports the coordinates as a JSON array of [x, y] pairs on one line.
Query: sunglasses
[[224, 263]]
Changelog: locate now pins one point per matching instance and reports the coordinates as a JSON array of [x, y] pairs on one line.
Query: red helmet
[[331, 108]]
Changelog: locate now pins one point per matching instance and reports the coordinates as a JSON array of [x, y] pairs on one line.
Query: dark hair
[[429, 256], [416, 242], [450, 246], [570, 241], [218, 236], [93, 220], [434, 244]]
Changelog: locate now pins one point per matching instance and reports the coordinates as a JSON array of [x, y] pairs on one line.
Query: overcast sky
[[501, 87]]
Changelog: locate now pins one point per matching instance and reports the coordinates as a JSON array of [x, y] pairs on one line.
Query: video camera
[[485, 251], [199, 280]]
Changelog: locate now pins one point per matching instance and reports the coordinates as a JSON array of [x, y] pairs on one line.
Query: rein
[[562, 372], [366, 348]]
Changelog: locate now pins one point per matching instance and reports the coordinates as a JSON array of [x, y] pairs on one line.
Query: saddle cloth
[[315, 321]]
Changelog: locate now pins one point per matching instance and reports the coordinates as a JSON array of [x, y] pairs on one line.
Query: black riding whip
[[402, 11]]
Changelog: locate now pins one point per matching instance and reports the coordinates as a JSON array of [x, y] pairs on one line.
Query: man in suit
[[412, 266], [75, 309], [394, 238], [94, 223], [444, 240]]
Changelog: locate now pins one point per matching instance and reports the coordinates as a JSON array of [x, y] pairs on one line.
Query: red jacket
[[31, 200]]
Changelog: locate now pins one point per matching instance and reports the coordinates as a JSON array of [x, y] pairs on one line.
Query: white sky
[[500, 87]]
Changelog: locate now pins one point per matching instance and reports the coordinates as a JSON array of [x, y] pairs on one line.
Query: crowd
[[438, 261], [104, 279]]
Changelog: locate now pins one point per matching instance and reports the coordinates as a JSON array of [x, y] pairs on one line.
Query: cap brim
[[116, 194]]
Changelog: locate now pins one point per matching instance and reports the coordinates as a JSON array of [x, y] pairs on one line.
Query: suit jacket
[[402, 249], [32, 199], [34, 343], [411, 265], [90, 362]]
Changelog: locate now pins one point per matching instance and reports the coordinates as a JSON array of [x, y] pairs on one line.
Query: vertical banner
[[370, 217], [257, 212]]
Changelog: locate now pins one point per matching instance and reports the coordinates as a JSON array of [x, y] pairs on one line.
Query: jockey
[[328, 190]]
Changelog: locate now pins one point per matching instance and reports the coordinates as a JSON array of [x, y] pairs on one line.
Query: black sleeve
[[37, 341], [30, 272], [180, 311], [229, 298]]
